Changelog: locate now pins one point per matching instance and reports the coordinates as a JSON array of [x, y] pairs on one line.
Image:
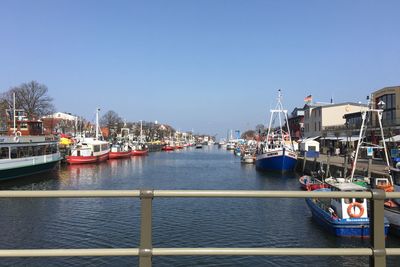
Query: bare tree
[[249, 134], [32, 97], [111, 119]]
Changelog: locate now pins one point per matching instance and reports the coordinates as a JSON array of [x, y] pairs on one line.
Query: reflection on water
[[95, 223]]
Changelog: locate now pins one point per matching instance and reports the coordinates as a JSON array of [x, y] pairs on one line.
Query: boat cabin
[[349, 208], [26, 127], [116, 148], [90, 148]]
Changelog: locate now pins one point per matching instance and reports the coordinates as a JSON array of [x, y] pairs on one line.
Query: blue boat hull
[[282, 163], [346, 228]]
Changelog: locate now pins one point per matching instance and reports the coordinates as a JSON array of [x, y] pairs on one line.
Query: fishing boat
[[347, 217], [199, 145], [392, 206], [168, 146], [140, 148], [89, 149], [247, 157], [119, 151], [385, 183], [311, 183], [237, 150], [222, 144], [179, 145], [277, 152]]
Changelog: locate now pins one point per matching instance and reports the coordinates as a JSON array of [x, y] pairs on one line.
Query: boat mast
[[141, 131], [97, 123], [14, 115], [280, 108]]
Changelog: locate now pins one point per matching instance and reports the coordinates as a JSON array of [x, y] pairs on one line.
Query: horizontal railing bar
[[262, 251], [258, 194], [392, 251], [193, 252], [180, 193], [69, 193], [393, 194], [69, 252]]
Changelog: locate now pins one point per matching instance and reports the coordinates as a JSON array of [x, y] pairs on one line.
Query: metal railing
[[377, 252]]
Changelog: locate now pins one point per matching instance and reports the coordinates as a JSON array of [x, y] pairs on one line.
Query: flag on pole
[[308, 99]]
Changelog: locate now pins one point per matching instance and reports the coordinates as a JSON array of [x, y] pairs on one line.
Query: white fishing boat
[[343, 216], [374, 182], [247, 157], [89, 149]]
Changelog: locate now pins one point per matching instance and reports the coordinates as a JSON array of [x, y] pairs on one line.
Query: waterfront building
[[327, 123], [296, 123], [391, 111], [59, 122]]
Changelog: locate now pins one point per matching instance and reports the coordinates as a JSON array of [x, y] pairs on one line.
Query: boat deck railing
[[377, 252]]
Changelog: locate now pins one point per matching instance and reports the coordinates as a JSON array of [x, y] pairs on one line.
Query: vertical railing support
[[377, 229], [146, 243]]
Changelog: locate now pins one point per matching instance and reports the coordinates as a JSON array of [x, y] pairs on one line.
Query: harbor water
[[177, 222]]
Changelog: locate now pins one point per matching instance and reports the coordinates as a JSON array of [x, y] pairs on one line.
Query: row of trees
[[114, 123], [33, 98]]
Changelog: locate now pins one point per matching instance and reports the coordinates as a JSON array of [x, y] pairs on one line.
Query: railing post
[[146, 246], [377, 229]]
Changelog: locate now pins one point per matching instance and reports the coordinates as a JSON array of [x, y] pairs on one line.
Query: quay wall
[[154, 147], [335, 169]]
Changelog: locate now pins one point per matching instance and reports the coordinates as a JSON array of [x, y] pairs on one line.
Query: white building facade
[[318, 117]]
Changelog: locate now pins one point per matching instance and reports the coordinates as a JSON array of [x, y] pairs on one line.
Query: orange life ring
[[350, 210]]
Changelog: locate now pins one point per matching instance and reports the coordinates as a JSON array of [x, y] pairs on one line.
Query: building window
[[389, 111], [315, 126], [319, 126]]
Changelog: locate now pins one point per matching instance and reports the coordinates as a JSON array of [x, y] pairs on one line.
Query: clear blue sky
[[203, 65]]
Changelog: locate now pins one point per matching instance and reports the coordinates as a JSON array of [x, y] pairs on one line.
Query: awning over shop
[[393, 139], [349, 139], [331, 138], [308, 138]]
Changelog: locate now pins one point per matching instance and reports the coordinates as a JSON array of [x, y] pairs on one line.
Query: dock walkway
[[337, 163]]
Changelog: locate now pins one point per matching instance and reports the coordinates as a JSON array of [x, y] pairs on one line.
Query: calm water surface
[[112, 223]]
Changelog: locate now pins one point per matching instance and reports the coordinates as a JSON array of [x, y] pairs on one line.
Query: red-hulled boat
[[119, 152], [168, 148], [139, 152], [89, 151], [178, 145], [310, 183]]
